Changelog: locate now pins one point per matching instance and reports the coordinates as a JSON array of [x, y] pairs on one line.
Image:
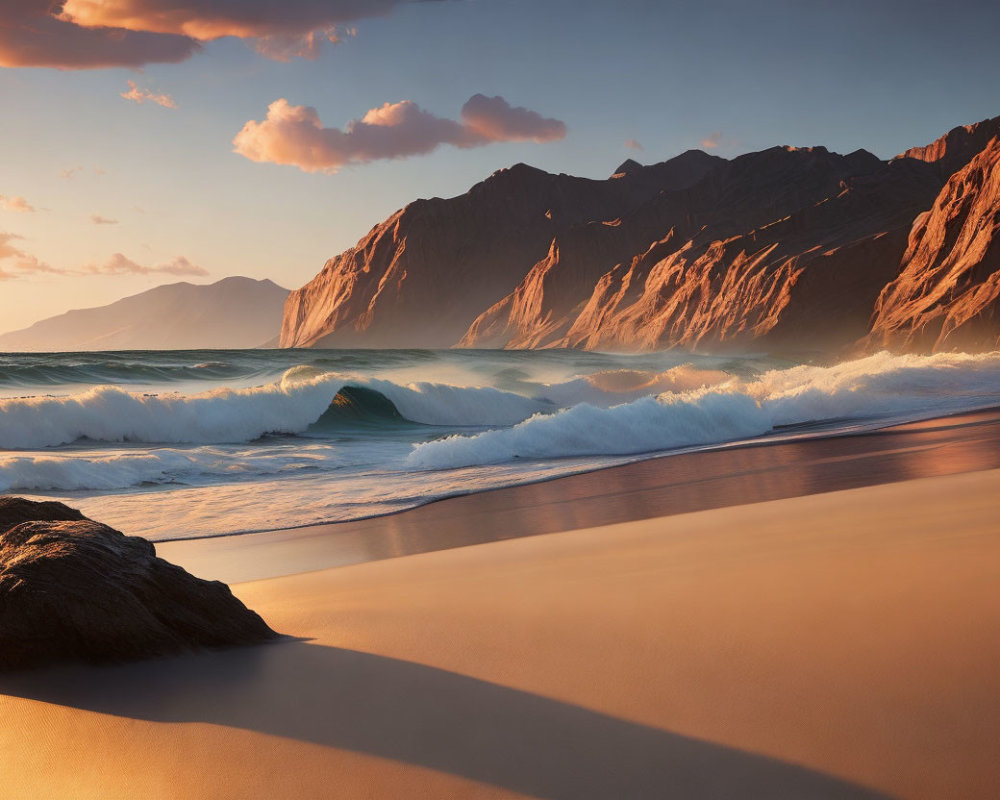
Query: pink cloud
[[712, 141], [140, 96], [496, 120], [97, 219], [89, 34], [294, 135], [286, 46], [213, 19], [14, 203], [119, 264], [32, 36], [15, 263], [633, 144], [20, 262]]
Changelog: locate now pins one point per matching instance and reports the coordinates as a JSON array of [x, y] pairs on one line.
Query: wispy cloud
[[119, 264], [97, 219], [633, 144], [137, 95], [15, 203], [712, 141], [295, 135], [70, 172], [16, 263]]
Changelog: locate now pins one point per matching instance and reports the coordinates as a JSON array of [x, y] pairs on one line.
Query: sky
[[143, 142]]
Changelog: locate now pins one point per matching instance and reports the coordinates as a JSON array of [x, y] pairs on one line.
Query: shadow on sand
[[428, 717]]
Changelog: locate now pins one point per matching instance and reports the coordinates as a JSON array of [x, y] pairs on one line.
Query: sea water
[[201, 443]]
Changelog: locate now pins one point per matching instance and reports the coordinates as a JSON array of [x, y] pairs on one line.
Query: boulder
[[72, 589]]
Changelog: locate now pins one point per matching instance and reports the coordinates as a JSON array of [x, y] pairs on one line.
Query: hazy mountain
[[232, 313], [787, 247]]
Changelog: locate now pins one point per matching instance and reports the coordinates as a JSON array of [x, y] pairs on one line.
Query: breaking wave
[[366, 439], [881, 387], [290, 406]]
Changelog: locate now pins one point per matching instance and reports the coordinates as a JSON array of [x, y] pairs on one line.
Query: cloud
[[633, 144], [15, 263], [294, 135], [712, 141], [497, 121], [32, 35], [212, 19], [17, 260], [140, 96], [13, 203], [71, 172], [286, 46], [97, 219], [119, 264], [89, 34]]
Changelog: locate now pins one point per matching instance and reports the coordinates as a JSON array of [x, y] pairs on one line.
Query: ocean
[[183, 444]]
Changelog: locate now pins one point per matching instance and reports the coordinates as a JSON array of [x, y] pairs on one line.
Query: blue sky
[[879, 75]]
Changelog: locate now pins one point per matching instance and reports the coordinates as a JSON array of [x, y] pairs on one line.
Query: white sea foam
[[880, 386], [289, 406], [122, 469], [166, 463]]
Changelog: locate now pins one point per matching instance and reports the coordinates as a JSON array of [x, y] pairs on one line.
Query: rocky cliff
[[947, 294], [422, 276], [787, 247]]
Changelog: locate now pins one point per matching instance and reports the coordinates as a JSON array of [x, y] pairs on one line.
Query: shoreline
[[661, 486], [829, 646], [775, 437]]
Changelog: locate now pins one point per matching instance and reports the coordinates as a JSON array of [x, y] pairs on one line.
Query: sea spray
[[200, 443]]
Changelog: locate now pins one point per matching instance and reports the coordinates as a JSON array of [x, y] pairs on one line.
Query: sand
[[834, 645]]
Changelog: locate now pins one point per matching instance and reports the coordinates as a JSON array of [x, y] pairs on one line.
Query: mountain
[[421, 277], [783, 248], [947, 294], [232, 313]]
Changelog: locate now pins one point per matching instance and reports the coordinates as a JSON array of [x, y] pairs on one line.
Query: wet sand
[[643, 490], [832, 642]]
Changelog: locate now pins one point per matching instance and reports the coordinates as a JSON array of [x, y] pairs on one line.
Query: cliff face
[[753, 251], [947, 294], [421, 277], [787, 247]]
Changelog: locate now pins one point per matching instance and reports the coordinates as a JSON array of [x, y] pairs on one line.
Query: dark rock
[[72, 589]]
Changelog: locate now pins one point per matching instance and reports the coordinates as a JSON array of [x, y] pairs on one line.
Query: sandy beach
[[812, 620]]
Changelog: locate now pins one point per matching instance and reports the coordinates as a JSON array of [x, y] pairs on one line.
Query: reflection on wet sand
[[643, 490]]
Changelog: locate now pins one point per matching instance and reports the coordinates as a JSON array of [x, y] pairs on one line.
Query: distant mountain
[[230, 314], [783, 248]]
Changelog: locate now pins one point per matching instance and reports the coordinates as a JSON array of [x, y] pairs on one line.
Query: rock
[[947, 294], [420, 278], [956, 148], [790, 246], [786, 248], [72, 589]]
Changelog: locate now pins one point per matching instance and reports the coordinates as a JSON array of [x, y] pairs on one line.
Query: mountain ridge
[[784, 247], [232, 313]]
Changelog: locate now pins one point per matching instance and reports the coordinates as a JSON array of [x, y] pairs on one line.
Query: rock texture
[[947, 295], [784, 248], [229, 314], [422, 276], [74, 590]]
